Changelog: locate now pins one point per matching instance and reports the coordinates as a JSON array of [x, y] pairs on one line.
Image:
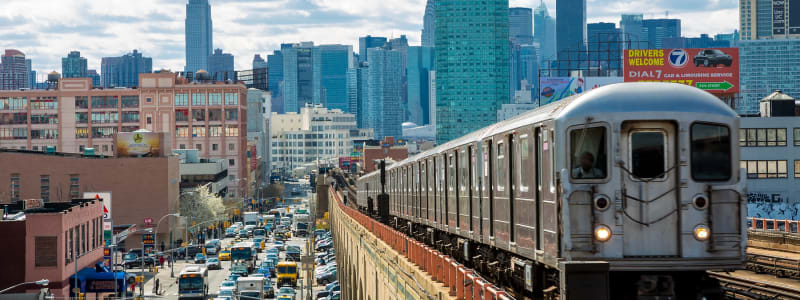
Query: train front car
[[650, 183]]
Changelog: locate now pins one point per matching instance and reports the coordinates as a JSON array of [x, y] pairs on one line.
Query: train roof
[[632, 97]]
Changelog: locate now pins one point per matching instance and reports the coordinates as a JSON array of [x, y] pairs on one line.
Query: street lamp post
[[42, 282], [155, 240]]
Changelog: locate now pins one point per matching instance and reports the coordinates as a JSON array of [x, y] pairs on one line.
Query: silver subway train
[[643, 176]]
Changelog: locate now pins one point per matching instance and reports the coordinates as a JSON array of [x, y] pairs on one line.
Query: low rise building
[[196, 172], [375, 151]]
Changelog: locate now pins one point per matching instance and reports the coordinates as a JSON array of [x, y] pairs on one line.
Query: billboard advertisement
[[715, 70], [136, 144], [552, 89], [106, 196]]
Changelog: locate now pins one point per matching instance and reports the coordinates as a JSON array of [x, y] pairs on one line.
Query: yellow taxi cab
[[284, 297], [224, 255], [288, 234]]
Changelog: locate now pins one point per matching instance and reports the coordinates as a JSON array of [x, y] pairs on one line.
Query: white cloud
[[46, 30]]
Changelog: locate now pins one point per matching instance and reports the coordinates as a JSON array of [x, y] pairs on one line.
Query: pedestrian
[[161, 261]]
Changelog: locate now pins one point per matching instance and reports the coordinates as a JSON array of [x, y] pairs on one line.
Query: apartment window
[[199, 147], [68, 246], [44, 103], [181, 99], [215, 130], [14, 119], [81, 147], [129, 128], [44, 251], [199, 115], [45, 187], [231, 114], [215, 99], [765, 169], [130, 117], [199, 99], [763, 137], [105, 117], [181, 115], [797, 136], [105, 148], [231, 130], [797, 169], [44, 134], [231, 162], [214, 147], [198, 131], [130, 101], [215, 115], [231, 147], [82, 102], [51, 119], [149, 120], [182, 146], [231, 99], [15, 187], [103, 132], [182, 131], [82, 117], [148, 100], [105, 102]]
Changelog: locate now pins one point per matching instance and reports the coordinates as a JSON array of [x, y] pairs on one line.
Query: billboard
[[106, 196], [552, 89], [715, 70], [136, 144]]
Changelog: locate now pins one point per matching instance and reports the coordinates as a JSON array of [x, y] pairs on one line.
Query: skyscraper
[[298, 76], [258, 62], [384, 111], [768, 19], [633, 34], [429, 26], [605, 48], [123, 71], [275, 75], [401, 45], [520, 25], [13, 71], [366, 42], [420, 63], [759, 61], [331, 63], [358, 92], [659, 29], [95, 77], [74, 66], [467, 97], [220, 66], [570, 31], [31, 73], [199, 40], [544, 33]]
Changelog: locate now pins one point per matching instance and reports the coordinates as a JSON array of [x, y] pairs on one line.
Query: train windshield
[[589, 153], [711, 152]]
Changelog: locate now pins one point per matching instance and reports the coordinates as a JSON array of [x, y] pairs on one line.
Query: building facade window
[[765, 169], [199, 115], [231, 162], [231, 115], [199, 147], [215, 130], [214, 147], [797, 169], [14, 119], [129, 128], [44, 103], [82, 117], [51, 119], [105, 102], [231, 147], [231, 99], [15, 187], [198, 99], [231, 130], [215, 99], [198, 131], [13, 103], [45, 254], [181, 99], [797, 136], [82, 102], [763, 137], [182, 131], [215, 115], [181, 115], [44, 134], [130, 117], [130, 101], [45, 187], [103, 132], [81, 133]]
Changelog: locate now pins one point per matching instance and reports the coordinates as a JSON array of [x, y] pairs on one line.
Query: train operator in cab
[[586, 170]]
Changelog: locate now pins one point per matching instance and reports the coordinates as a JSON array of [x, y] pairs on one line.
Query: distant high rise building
[[734, 36], [95, 77], [544, 33], [768, 19], [31, 73], [429, 26], [520, 25], [528, 68], [659, 29], [605, 48], [298, 75], [275, 74], [384, 108], [366, 42], [467, 97], [220, 66], [420, 63], [13, 70], [331, 63], [199, 32], [401, 45], [570, 31], [258, 62], [704, 41], [124, 71], [358, 92], [74, 66], [633, 34], [759, 60]]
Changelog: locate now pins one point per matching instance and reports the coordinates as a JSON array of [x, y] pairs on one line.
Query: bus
[[287, 273], [193, 282], [245, 253]]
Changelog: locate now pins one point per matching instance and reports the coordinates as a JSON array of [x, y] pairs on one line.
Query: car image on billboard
[[712, 58]]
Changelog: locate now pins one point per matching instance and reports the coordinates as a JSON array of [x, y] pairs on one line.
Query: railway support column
[[584, 280]]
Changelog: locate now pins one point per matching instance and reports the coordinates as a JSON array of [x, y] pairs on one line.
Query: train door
[[502, 190], [475, 188], [464, 194], [650, 201], [431, 190], [423, 190], [486, 190], [452, 192], [441, 164], [539, 188], [524, 210]]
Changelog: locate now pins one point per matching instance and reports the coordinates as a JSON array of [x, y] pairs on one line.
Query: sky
[[46, 30]]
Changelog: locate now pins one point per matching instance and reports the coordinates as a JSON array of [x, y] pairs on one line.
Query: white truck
[[251, 218], [300, 225], [250, 287]]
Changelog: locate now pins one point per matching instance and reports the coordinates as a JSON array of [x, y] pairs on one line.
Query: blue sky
[[46, 30]]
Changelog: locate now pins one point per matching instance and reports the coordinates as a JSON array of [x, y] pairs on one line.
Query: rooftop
[[45, 207]]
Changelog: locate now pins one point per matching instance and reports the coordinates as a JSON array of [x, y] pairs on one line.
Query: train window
[[501, 166], [648, 154], [711, 152], [589, 158], [524, 167], [451, 172], [462, 161]]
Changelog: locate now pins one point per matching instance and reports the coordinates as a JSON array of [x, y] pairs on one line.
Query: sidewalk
[[165, 281]]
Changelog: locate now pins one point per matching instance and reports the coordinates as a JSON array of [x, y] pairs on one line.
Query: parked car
[[334, 296], [133, 261], [712, 58], [326, 277], [213, 264], [332, 287], [322, 295], [199, 258]]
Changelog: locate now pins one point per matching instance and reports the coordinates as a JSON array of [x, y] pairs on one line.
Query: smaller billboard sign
[[106, 196], [138, 144], [715, 70], [148, 239]]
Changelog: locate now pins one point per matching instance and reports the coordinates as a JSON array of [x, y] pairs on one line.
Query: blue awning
[[99, 279]]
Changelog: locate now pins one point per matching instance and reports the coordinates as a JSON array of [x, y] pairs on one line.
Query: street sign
[[715, 86], [148, 222]]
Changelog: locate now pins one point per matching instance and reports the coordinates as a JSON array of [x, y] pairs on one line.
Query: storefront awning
[[99, 279]]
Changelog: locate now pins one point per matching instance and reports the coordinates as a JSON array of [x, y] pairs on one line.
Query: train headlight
[[601, 202], [602, 233], [701, 232], [700, 201]]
